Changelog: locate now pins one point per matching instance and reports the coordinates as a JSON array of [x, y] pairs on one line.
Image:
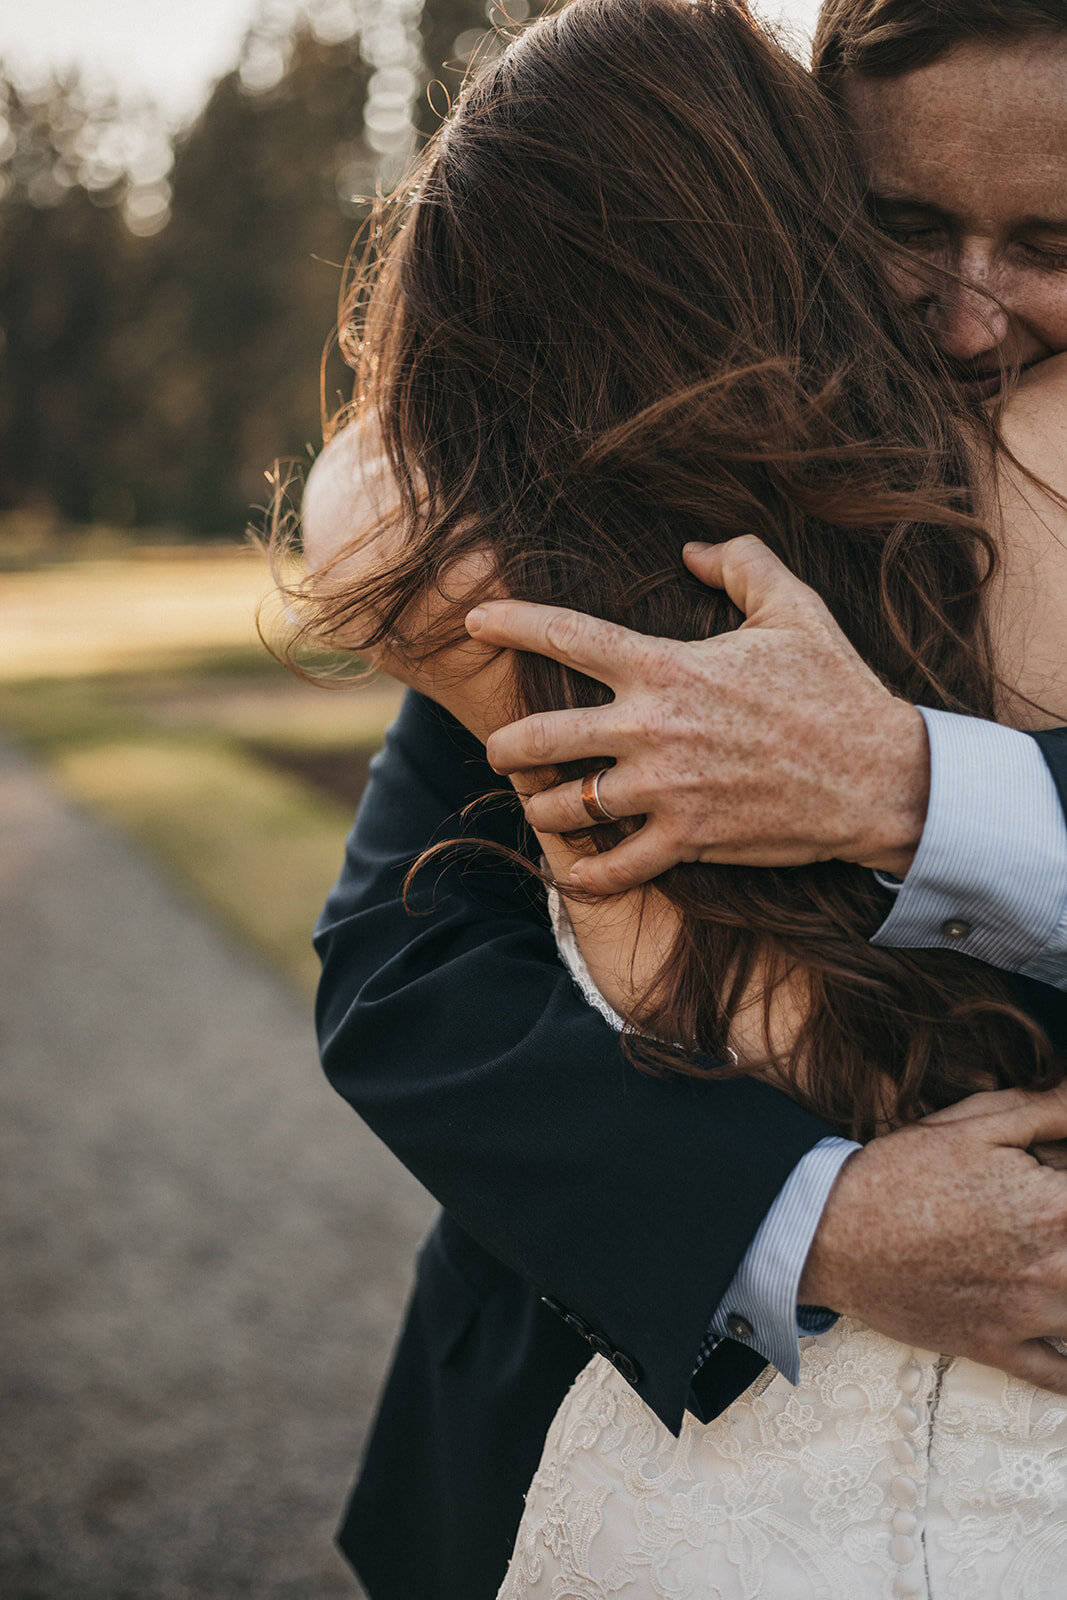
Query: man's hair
[[881, 38]]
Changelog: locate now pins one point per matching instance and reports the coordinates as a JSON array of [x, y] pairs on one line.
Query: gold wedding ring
[[595, 809]]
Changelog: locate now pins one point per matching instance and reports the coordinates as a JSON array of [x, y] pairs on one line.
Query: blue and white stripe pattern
[[993, 854], [764, 1289]]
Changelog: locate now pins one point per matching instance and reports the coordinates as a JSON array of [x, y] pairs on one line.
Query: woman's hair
[[882, 38], [629, 299]]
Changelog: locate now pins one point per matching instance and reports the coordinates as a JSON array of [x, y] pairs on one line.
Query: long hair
[[629, 299]]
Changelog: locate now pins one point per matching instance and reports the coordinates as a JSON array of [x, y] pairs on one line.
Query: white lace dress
[[887, 1471]]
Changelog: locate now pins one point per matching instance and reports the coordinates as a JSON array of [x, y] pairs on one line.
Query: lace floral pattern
[[997, 1523], [887, 1471]]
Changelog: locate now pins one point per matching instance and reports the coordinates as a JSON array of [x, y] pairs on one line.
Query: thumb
[[758, 583]]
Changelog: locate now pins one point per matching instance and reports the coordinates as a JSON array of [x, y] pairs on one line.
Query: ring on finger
[[595, 809]]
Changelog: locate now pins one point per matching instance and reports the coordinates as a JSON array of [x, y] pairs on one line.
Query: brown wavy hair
[[627, 299], [884, 38]]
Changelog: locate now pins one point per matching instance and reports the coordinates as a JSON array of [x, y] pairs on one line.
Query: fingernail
[[695, 547], [475, 620], [575, 876]]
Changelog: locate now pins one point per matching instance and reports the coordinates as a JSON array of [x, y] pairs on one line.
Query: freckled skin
[[715, 743], [967, 159], [949, 1235], [952, 1236]]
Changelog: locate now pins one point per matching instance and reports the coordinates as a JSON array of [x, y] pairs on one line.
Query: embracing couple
[[706, 480]]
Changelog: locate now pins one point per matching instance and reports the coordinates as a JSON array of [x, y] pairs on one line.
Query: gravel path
[[204, 1253]]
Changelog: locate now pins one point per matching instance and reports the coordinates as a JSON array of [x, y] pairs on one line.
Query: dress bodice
[[887, 1471]]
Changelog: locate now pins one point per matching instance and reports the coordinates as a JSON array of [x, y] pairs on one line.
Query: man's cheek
[[1043, 311]]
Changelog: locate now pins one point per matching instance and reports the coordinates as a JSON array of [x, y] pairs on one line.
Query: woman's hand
[[774, 745]]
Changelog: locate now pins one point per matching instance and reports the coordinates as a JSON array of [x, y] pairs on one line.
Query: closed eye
[[1051, 260], [914, 238]]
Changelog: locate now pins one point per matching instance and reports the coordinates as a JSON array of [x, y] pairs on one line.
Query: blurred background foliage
[[165, 296]]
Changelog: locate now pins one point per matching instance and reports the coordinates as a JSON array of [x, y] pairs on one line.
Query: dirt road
[[204, 1254]]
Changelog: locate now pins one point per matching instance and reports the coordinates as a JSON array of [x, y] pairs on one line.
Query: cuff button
[[738, 1327], [955, 928]]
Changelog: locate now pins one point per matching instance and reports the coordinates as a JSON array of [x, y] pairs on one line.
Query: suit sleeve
[[447, 1020]]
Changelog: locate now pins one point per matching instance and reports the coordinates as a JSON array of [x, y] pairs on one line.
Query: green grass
[[258, 847], [52, 714], [136, 675]]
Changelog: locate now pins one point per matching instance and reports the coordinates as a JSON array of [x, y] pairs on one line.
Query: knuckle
[[996, 1099], [653, 710], [745, 547], [501, 615], [563, 631], [662, 662], [657, 727], [1032, 1281], [537, 737], [641, 795], [557, 802], [627, 725], [570, 814]]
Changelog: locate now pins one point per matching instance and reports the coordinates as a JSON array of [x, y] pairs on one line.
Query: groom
[[685, 1229]]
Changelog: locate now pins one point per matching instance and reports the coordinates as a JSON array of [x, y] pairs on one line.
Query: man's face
[[968, 165]]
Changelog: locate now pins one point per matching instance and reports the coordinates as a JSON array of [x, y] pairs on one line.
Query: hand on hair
[[774, 745]]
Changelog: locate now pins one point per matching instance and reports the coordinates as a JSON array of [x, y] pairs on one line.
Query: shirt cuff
[[989, 878], [760, 1306]]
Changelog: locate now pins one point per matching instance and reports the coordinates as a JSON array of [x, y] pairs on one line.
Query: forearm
[[457, 1034]]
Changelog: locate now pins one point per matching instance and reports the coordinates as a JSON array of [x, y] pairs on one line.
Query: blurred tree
[[66, 261], [261, 223], [458, 35], [163, 303], [160, 330]]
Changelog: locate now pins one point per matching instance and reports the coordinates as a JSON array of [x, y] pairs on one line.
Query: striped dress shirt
[[989, 879]]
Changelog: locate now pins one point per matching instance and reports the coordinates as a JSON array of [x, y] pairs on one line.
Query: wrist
[[824, 1279], [903, 764]]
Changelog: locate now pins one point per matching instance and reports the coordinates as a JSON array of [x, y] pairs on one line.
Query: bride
[[627, 300]]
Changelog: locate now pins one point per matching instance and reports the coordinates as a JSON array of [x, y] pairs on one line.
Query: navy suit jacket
[[587, 1206]]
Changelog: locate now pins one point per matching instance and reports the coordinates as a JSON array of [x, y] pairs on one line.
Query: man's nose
[[966, 322]]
